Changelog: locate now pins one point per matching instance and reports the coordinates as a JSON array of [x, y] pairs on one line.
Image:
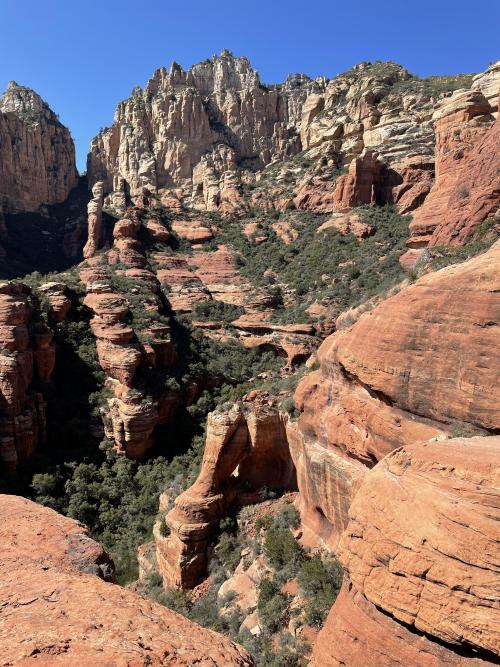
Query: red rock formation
[[422, 540], [467, 187], [253, 441], [193, 231], [404, 372], [293, 341], [56, 611], [58, 299], [130, 416], [359, 186], [94, 221], [181, 285], [347, 224], [408, 183], [24, 355], [357, 633]]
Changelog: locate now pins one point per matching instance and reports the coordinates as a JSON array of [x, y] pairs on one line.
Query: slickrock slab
[[57, 612], [423, 539], [357, 633]]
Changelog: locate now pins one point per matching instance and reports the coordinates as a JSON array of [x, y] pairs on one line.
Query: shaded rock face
[[56, 611], [37, 154], [252, 442], [25, 356], [404, 372], [467, 188], [203, 121]]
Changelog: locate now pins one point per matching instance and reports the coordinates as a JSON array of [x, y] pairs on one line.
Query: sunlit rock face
[[209, 129], [76, 616], [37, 154], [404, 372], [199, 126], [466, 193]]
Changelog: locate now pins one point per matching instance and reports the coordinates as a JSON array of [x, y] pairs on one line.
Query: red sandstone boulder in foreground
[[422, 547], [56, 611], [357, 633], [406, 371]]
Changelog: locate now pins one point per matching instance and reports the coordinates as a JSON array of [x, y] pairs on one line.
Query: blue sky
[[84, 57]]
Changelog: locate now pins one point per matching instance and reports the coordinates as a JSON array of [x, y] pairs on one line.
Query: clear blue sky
[[84, 57]]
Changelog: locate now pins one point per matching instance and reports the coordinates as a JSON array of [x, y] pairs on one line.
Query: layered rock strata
[[246, 449], [467, 188], [194, 126], [132, 334], [421, 551], [57, 610], [208, 130], [27, 354], [37, 154], [405, 371]]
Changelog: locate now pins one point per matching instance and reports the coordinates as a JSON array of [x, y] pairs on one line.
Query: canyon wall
[[203, 120], [208, 130], [406, 371], [467, 188], [37, 154], [27, 356]]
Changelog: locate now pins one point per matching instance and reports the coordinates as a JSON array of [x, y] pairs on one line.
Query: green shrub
[[319, 580], [164, 529], [282, 550], [217, 311], [229, 552], [272, 605]]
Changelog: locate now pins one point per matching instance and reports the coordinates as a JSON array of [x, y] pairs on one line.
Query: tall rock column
[[24, 356], [37, 154]]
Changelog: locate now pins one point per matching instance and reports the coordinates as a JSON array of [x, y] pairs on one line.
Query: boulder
[[59, 609]]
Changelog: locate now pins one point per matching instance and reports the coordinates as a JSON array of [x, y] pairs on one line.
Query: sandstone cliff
[[406, 371], [37, 154], [198, 122], [27, 355], [210, 129], [467, 188], [132, 332], [57, 610], [422, 547]]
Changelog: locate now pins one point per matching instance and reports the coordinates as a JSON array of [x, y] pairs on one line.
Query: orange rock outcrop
[[25, 355], [252, 441], [124, 344], [57, 610], [421, 553], [429, 557], [467, 187], [357, 633], [406, 371]]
